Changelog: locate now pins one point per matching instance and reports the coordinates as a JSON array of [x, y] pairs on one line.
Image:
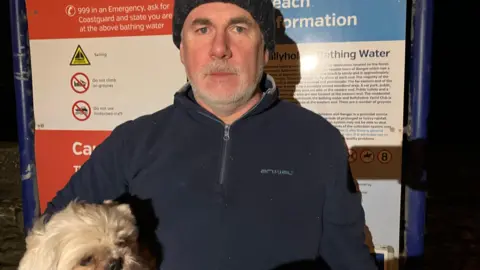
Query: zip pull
[[226, 133]]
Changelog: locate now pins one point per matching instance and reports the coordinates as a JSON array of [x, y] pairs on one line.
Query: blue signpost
[[24, 105], [420, 100]]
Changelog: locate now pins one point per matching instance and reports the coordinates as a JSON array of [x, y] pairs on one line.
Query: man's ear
[[266, 56], [182, 54]]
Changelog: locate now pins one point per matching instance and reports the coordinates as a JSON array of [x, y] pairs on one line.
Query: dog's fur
[[85, 237]]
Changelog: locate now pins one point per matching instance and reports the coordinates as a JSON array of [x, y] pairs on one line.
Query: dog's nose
[[115, 264]]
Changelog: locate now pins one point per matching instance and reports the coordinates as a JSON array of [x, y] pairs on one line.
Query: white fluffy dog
[[85, 237]]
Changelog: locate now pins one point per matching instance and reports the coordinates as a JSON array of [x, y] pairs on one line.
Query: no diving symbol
[[81, 110], [80, 82]]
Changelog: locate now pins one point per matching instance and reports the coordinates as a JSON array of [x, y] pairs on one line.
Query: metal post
[[420, 99], [24, 104]]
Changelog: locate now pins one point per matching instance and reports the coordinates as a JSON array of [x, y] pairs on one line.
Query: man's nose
[[221, 46]]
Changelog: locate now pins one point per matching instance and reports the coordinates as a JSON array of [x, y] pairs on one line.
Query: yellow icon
[[79, 58]]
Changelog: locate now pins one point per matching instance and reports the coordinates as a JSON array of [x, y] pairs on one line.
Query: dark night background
[[453, 212]]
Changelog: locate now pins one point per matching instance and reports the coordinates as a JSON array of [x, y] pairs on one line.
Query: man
[[238, 178]]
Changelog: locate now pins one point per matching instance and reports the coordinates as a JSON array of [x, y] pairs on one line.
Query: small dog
[[85, 237]]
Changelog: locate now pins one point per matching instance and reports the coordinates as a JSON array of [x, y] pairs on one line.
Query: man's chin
[[220, 90], [220, 82], [220, 102], [221, 94]]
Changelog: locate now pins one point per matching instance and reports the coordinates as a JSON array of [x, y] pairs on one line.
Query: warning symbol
[[79, 58], [384, 156], [80, 82], [367, 156], [81, 110], [352, 155]]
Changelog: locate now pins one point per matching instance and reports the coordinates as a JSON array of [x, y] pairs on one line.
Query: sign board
[[97, 64], [345, 60]]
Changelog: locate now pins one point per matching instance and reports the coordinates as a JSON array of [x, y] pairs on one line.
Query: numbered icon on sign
[[384, 156]]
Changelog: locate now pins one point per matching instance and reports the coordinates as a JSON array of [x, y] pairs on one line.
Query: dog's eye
[[86, 261], [121, 243]]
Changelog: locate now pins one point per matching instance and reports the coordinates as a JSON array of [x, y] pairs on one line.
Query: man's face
[[223, 52]]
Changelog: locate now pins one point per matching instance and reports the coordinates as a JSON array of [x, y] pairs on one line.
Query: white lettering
[[327, 21], [278, 4], [95, 19], [80, 149], [126, 9], [76, 167]]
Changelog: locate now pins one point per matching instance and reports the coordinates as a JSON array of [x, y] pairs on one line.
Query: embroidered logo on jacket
[[277, 172]]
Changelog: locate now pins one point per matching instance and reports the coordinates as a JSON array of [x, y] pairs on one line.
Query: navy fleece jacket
[[272, 188]]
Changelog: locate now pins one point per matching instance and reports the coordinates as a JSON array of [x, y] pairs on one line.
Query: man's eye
[[202, 30], [239, 29]]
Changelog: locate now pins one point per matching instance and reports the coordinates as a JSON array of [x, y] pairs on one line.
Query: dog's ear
[[124, 208], [37, 256], [108, 202]]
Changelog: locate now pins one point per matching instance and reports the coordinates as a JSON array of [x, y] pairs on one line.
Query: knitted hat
[[261, 10]]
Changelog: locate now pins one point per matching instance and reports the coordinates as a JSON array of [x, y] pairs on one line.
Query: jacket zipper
[[226, 140]]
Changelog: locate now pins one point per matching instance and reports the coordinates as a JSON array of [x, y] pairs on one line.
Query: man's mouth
[[221, 73]]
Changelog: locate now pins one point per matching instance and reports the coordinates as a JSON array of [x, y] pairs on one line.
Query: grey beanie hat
[[262, 12]]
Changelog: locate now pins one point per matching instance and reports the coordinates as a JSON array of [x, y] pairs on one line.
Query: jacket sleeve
[[103, 176], [343, 245]]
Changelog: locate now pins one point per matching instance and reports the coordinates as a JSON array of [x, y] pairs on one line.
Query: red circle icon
[[80, 82], [81, 110]]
